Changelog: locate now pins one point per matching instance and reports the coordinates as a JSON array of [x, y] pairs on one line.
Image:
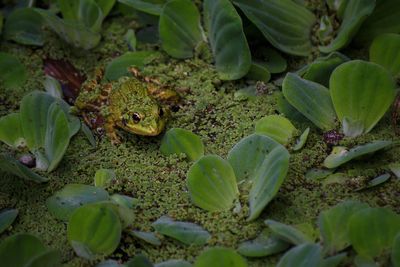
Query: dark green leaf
[[212, 183], [385, 51], [228, 42], [149, 237], [176, 141], [64, 202], [304, 255], [288, 233], [311, 99], [12, 73], [94, 229], [23, 26], [264, 245], [174, 263], [354, 15], [7, 217], [284, 23], [153, 7], [225, 257], [11, 130], [187, 233], [180, 28], [13, 166]]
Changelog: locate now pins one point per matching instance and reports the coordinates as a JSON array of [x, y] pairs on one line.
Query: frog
[[137, 104]]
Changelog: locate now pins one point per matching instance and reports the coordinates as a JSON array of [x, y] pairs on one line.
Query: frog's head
[[149, 121]]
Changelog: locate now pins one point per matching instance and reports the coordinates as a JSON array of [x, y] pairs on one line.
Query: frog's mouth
[[153, 129]]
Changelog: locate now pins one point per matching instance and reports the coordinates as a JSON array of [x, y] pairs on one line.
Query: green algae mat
[[212, 133]]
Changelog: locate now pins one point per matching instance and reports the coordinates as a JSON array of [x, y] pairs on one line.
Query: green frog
[[137, 104]]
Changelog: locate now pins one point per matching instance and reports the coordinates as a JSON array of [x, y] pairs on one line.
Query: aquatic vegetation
[[94, 229], [64, 202], [225, 257], [187, 233], [176, 141], [302, 140], [310, 99], [148, 237], [385, 51], [212, 183], [277, 127], [104, 177], [34, 252], [288, 233], [361, 93], [341, 155], [23, 26], [81, 22], [12, 72], [306, 254], [180, 28], [7, 217]]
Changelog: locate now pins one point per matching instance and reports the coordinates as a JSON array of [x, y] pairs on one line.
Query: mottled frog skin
[[135, 104]]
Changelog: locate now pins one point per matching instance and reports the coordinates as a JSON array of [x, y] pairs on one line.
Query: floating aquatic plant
[[288, 233], [341, 155], [25, 250], [385, 51], [176, 141], [104, 177], [187, 233], [212, 183], [277, 127], [361, 93], [94, 229], [23, 26], [303, 255], [81, 22], [12, 73], [7, 217], [225, 257]]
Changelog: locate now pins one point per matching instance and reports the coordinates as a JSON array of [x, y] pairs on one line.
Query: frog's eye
[[136, 117]]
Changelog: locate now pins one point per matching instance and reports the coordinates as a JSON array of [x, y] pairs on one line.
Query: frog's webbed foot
[[112, 133]]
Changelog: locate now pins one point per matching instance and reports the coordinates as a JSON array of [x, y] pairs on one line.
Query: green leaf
[[382, 226], [176, 141], [64, 202], [11, 130], [264, 245], [277, 127], [354, 15], [12, 73], [333, 261], [139, 261], [333, 225], [384, 19], [49, 258], [109, 263], [376, 181], [287, 110], [23, 26], [149, 237], [130, 38], [311, 99], [288, 233], [248, 155], [7, 217], [34, 111], [153, 7], [118, 67], [72, 32], [103, 177], [187, 233], [360, 261], [225, 257], [320, 70], [274, 61], [86, 13], [284, 23], [304, 255], [302, 140], [96, 227], [341, 155], [268, 179], [13, 166], [385, 51], [89, 134], [56, 138], [180, 28], [361, 93], [395, 168], [20, 250], [212, 183], [318, 174], [228, 42], [259, 72], [105, 6], [174, 263], [395, 256]]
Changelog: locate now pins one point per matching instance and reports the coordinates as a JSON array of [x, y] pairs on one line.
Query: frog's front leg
[[111, 132]]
